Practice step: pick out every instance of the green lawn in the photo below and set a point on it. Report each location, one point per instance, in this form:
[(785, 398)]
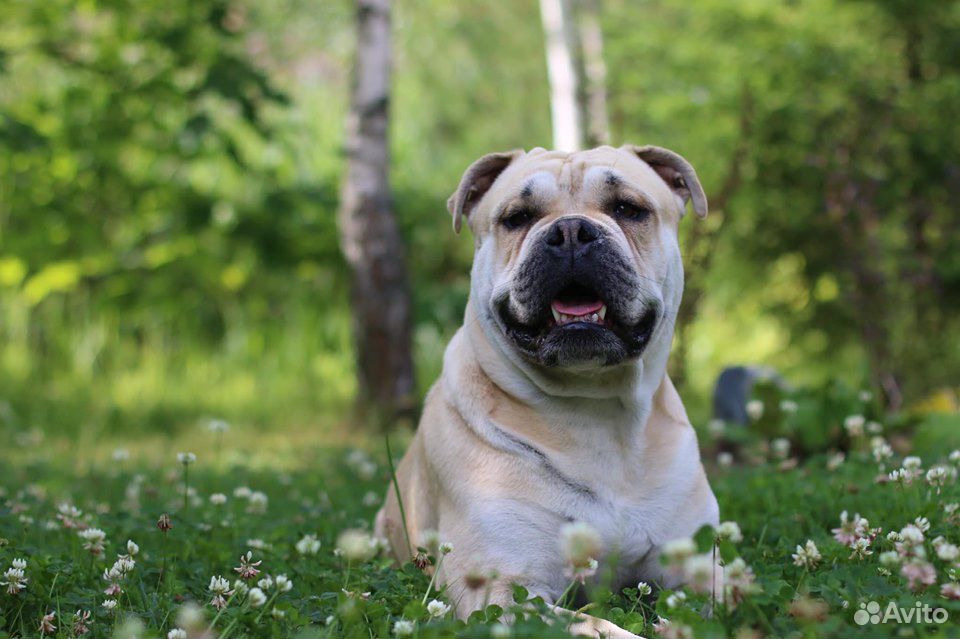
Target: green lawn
[(278, 490)]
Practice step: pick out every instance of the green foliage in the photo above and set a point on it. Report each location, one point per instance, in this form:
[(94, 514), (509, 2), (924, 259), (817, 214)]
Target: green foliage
[(169, 174)]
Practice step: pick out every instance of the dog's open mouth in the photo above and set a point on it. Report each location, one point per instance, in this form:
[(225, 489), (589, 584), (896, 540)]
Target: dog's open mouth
[(577, 324), (577, 303)]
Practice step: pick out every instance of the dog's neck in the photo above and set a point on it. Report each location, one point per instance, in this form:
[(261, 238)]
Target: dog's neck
[(627, 389)]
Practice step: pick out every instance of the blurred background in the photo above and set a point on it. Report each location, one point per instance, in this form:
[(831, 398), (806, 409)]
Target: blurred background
[(180, 182)]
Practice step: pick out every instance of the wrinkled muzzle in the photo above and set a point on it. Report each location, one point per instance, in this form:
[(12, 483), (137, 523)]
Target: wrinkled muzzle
[(576, 299)]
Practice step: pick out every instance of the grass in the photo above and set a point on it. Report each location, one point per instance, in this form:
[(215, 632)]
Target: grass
[(317, 483)]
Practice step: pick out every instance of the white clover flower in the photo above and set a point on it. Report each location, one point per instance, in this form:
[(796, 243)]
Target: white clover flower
[(853, 424), (329, 620), (579, 543), (874, 428), (15, 580), (132, 548), (835, 460), (739, 582), (446, 548), (177, 633), (218, 499), (922, 523), (256, 597), (309, 545), (912, 463), (948, 552), (881, 450), (220, 588), (186, 458), (807, 555), (955, 456), (730, 530), (242, 492), (716, 427), (356, 544), (781, 447), (92, 535), (219, 585), (500, 631), (94, 538), (890, 558), (676, 599), (360, 463), (191, 616), (894, 536), (120, 455), (911, 535), (266, 583), (109, 604), (276, 613), (437, 608), (403, 628), (937, 476), (19, 563), (724, 459), (900, 475), (950, 590), (284, 584), (699, 571), (860, 548), (240, 587), (371, 498), (865, 396), (643, 589), (257, 503), (951, 508), (217, 426), (755, 409), (677, 551), (788, 406), (257, 544)]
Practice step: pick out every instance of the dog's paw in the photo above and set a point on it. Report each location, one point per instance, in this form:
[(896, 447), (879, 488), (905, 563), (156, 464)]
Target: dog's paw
[(587, 626)]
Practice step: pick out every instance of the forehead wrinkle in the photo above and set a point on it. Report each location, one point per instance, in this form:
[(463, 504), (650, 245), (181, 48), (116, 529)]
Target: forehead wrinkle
[(538, 189), (602, 179)]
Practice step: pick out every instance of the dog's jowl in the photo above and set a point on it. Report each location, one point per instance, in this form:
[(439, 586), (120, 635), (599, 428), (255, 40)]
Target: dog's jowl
[(554, 405)]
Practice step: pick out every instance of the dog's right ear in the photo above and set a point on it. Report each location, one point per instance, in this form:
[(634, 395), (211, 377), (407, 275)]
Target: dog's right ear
[(476, 181)]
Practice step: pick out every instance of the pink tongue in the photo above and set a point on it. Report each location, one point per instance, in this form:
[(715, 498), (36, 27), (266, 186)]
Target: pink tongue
[(584, 308)]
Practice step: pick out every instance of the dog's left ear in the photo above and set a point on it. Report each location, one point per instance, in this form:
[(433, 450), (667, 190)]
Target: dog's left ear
[(476, 181), (677, 173)]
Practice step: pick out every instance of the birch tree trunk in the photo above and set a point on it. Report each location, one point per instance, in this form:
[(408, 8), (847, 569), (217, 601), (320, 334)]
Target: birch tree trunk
[(560, 36), (593, 99), (369, 233)]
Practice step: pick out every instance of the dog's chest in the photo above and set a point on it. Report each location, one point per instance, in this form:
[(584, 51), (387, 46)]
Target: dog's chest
[(624, 525)]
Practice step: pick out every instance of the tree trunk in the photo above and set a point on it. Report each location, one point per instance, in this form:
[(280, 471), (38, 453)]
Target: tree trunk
[(594, 94), (369, 233), (561, 45)]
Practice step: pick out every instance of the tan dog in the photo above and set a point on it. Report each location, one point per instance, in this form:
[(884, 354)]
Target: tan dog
[(554, 405)]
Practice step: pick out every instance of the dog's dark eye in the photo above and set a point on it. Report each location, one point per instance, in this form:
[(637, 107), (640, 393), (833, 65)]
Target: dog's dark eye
[(630, 211), (517, 219)]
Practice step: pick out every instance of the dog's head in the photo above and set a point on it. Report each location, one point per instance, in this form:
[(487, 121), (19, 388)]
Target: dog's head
[(577, 262)]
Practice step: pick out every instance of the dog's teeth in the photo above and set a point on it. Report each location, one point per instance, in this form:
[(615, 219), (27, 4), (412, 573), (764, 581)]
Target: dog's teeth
[(603, 312), (594, 317), (556, 315)]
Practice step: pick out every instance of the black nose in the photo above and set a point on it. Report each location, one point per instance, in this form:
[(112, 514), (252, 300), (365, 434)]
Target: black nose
[(571, 234)]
